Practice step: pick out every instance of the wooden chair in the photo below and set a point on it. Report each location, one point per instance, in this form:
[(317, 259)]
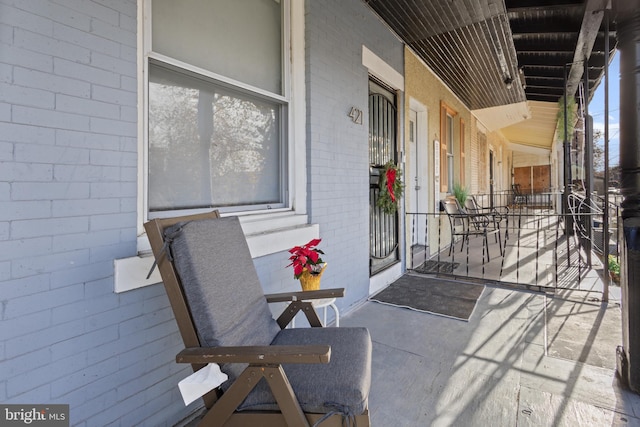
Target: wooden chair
[(466, 224), (277, 376)]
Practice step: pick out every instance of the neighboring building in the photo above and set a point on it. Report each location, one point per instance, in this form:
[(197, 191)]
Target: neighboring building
[(442, 130)]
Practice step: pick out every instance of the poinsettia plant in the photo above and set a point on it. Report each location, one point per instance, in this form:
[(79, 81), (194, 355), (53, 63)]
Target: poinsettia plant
[(306, 257)]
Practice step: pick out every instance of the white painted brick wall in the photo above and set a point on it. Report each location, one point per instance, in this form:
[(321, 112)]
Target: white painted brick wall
[(68, 182), (339, 162)]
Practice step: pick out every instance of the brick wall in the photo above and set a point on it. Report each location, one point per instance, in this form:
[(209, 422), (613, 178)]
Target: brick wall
[(68, 153), (423, 86), (338, 163), (502, 171), (68, 181)]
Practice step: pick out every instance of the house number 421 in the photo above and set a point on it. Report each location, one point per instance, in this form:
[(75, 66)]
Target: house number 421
[(356, 115)]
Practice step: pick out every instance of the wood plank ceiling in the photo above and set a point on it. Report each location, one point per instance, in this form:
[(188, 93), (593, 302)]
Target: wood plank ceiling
[(499, 52), (547, 34)]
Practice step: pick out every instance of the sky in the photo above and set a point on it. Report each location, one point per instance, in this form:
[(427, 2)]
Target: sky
[(596, 110)]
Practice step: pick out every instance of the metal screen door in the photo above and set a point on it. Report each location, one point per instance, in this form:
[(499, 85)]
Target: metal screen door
[(383, 227)]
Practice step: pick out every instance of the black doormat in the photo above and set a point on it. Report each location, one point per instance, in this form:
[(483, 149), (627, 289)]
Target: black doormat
[(437, 267), (447, 298)]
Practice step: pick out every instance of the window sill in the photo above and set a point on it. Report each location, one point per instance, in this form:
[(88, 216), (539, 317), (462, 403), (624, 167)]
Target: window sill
[(264, 236)]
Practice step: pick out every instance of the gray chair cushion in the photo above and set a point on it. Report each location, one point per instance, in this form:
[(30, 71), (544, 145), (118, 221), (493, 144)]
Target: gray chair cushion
[(220, 283), (228, 308), (342, 384)]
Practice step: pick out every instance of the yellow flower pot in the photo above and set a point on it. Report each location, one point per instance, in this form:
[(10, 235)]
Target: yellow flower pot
[(311, 281)]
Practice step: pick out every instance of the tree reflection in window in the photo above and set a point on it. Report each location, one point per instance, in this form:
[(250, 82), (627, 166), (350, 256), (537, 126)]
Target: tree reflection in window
[(211, 146)]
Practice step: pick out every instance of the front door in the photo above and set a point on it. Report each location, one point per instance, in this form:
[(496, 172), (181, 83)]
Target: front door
[(383, 227), (491, 177), (417, 182)]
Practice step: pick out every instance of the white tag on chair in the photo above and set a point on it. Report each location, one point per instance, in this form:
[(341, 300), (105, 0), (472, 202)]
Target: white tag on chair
[(201, 382)]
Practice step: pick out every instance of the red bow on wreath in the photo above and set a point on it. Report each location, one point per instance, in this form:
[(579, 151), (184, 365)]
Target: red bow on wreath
[(391, 180)]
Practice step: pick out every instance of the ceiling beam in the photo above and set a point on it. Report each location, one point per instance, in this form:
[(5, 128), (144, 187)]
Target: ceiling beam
[(591, 21), (542, 97), (532, 5)]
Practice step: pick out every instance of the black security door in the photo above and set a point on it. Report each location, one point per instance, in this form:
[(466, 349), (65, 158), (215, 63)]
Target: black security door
[(383, 227)]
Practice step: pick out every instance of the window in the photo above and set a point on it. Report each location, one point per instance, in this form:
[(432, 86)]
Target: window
[(447, 155), (462, 154), (214, 129), (211, 146), (216, 124), (450, 163), (483, 155)]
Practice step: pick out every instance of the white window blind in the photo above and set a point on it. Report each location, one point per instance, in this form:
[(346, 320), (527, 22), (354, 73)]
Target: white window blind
[(237, 39)]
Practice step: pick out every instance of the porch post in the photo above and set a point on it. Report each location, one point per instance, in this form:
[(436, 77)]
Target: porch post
[(628, 27), (567, 165), (588, 163)]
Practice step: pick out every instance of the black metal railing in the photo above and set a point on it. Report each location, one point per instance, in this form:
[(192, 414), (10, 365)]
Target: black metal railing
[(540, 200), (614, 200), (537, 252)]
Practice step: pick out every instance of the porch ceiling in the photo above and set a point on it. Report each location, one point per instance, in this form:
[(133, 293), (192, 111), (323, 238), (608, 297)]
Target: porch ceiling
[(539, 130), (494, 53)]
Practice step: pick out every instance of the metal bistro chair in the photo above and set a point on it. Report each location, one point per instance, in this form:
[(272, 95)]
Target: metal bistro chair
[(277, 376), (465, 224), (519, 198), (497, 214)]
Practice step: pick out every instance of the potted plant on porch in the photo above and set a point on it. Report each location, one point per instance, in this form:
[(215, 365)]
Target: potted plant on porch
[(461, 193), (307, 264), (614, 268)]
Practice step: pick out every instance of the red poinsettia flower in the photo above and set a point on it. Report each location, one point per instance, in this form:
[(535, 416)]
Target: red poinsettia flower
[(305, 257)]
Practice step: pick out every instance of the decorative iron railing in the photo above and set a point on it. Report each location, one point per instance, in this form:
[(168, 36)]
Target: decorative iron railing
[(538, 252)]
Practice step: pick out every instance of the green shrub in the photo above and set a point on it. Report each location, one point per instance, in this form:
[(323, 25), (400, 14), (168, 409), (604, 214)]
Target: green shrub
[(571, 118), (614, 265)]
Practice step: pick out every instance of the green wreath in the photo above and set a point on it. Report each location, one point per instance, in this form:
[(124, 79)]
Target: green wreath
[(391, 188)]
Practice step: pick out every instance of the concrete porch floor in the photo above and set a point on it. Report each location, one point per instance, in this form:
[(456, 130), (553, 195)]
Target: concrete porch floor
[(523, 359)]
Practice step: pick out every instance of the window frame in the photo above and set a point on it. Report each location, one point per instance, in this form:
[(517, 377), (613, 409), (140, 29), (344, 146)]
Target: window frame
[(279, 101), (266, 232), (447, 147), (462, 152), (293, 213), (177, 65), (451, 161)]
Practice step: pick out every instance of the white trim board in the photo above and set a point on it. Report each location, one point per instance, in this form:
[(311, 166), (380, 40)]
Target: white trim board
[(380, 69)]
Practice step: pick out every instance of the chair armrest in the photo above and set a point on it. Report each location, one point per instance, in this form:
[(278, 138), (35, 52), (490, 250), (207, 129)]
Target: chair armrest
[(459, 215), (305, 295), (496, 210), (270, 354), (503, 211), (485, 209)]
